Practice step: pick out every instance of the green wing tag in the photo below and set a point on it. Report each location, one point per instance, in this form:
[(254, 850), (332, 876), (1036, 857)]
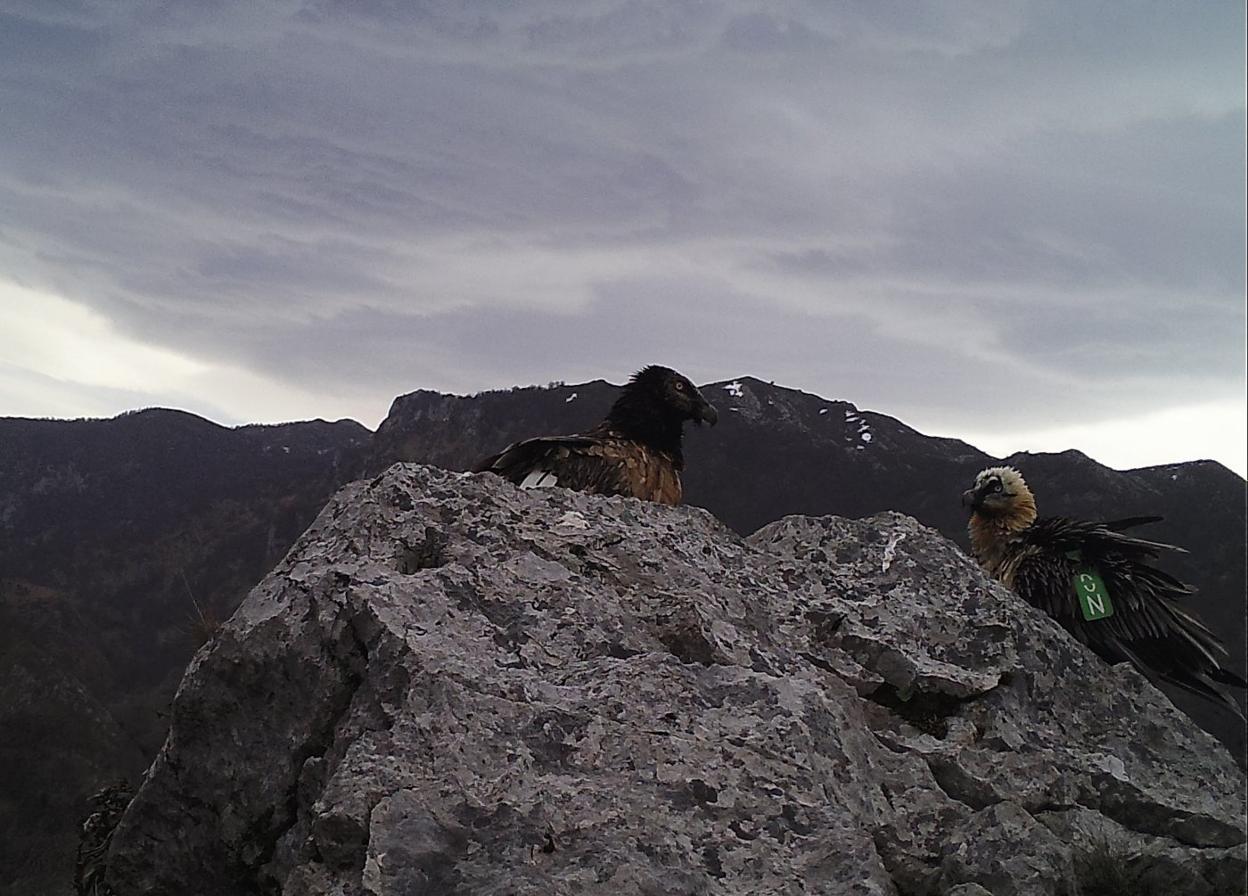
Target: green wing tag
[(1090, 587)]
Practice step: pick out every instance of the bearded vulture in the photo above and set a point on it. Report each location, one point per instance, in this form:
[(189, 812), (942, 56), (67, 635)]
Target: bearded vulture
[(1098, 583), (635, 451)]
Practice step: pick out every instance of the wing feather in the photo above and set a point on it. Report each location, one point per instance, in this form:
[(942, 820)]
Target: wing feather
[(598, 463), (1149, 626), (539, 478)]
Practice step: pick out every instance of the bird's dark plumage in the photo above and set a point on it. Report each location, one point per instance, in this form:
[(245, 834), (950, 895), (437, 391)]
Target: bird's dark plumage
[(636, 451), (1039, 559)]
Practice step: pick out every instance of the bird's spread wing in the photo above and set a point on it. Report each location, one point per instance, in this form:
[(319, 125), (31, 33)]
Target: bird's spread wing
[(1148, 625), (598, 464)]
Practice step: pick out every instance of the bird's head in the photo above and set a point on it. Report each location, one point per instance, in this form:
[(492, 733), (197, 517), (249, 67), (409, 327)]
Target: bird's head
[(670, 394), (1001, 492)]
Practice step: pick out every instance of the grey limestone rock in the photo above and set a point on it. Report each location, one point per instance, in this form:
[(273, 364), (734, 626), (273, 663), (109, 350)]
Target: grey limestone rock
[(450, 686)]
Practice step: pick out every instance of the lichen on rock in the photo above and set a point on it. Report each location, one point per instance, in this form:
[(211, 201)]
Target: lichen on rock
[(452, 686)]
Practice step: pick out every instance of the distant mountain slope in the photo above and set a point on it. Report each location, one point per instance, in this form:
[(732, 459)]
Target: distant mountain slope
[(63, 482), (108, 529)]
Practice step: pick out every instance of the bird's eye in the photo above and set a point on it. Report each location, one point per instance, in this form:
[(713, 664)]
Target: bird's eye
[(996, 487), (680, 387)]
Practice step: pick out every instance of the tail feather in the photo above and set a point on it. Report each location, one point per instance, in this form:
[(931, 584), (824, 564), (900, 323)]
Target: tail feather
[(1205, 680), (1131, 522), (1205, 686), (1187, 621), (1121, 540), (1226, 676)]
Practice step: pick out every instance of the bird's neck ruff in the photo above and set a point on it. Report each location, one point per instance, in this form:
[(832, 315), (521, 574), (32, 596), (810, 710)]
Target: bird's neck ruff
[(638, 416), (991, 532)]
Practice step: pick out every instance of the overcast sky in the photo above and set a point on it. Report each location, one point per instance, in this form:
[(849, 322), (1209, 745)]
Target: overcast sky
[(1018, 223)]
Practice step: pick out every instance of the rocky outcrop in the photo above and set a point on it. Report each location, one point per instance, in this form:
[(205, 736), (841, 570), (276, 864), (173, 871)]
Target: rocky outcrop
[(450, 686), (779, 451)]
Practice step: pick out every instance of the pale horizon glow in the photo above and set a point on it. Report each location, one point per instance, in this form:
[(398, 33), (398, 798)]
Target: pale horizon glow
[(60, 359), (1212, 431), (88, 370)]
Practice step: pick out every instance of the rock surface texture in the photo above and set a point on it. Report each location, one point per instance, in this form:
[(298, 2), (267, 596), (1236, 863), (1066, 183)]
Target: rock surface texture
[(450, 686), (779, 451)]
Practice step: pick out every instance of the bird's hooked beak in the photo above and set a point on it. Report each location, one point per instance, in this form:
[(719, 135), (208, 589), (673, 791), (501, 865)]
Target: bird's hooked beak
[(705, 413), (970, 499)]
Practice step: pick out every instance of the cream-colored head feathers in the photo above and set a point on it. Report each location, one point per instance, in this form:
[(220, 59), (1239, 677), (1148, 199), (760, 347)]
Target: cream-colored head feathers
[(1002, 504), (1012, 481)]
